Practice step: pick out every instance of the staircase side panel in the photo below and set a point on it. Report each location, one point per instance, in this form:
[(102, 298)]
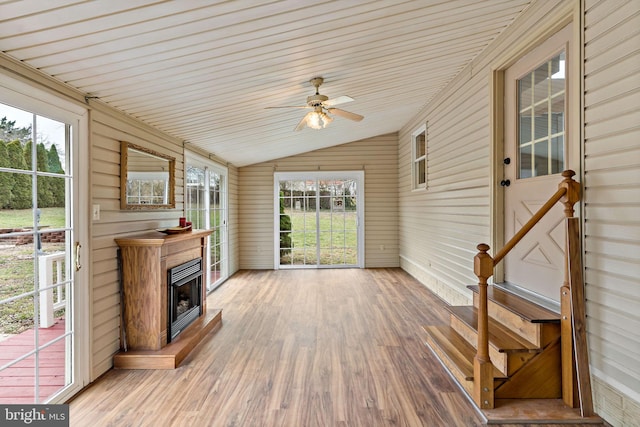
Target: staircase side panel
[(541, 378)]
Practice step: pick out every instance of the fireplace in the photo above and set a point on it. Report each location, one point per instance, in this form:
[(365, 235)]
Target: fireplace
[(184, 296)]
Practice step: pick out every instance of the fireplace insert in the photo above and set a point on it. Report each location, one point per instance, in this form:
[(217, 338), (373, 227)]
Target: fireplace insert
[(185, 296)]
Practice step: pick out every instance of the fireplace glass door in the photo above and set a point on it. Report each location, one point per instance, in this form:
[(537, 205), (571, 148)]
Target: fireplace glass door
[(185, 296)]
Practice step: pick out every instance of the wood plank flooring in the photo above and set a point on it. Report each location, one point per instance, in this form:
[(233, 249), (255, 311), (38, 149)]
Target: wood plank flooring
[(297, 348)]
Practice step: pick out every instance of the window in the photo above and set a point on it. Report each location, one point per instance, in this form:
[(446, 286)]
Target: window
[(541, 113), (419, 155)]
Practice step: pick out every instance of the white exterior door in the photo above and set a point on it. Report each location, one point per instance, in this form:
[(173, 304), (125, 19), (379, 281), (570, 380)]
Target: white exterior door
[(44, 347), (206, 207), (536, 151)]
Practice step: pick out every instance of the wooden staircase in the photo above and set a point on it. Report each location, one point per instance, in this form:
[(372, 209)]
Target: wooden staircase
[(524, 340), (510, 349)]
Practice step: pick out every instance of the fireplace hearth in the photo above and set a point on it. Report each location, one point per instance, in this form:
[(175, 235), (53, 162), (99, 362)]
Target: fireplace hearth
[(184, 296)]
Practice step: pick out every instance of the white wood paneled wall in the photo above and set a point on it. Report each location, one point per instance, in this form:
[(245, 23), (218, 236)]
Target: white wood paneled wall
[(108, 128), (612, 204)]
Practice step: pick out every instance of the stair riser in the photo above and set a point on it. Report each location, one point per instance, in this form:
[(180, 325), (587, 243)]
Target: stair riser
[(529, 331), (468, 333), (507, 363)]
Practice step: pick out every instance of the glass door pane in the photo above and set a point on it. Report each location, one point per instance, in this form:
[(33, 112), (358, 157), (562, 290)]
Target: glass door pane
[(196, 207), (206, 208), (541, 111), (36, 246), (217, 223), (338, 225)]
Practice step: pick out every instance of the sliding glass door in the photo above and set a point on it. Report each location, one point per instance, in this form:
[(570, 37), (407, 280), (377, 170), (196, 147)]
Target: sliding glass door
[(319, 219), (206, 207)]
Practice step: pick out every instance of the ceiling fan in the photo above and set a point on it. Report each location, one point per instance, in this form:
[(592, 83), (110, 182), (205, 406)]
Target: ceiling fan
[(322, 106)]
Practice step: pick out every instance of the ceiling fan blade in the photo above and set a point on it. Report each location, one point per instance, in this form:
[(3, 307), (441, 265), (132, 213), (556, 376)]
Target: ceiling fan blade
[(346, 114), (289, 106), (339, 100), (303, 122)]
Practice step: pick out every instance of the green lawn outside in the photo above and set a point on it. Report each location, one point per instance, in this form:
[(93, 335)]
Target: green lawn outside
[(338, 238), (16, 218), (17, 266)]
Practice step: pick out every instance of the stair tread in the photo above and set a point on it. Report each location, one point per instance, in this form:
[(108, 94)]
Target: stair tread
[(457, 349), (527, 310), (500, 337)]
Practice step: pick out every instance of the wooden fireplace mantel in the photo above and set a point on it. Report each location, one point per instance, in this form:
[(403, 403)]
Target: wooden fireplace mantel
[(145, 259)]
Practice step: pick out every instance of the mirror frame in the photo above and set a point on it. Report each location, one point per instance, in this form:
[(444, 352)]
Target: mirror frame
[(124, 156)]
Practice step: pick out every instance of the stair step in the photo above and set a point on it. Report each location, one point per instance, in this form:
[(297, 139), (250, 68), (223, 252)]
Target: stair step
[(532, 322), (500, 337), (456, 354), (508, 350), (523, 308)]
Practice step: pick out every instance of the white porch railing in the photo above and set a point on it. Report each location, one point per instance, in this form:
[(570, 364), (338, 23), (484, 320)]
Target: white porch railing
[(52, 298)]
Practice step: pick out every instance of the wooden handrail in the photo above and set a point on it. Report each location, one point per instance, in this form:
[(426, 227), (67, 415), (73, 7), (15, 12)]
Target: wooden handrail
[(529, 225), (565, 188), (483, 264)]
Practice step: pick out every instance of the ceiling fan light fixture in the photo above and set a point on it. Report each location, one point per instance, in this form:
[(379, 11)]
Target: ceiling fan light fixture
[(313, 120), (321, 105), (318, 120), (326, 119)]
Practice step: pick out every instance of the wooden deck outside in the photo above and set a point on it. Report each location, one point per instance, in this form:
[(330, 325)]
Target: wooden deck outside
[(298, 348), (17, 382)]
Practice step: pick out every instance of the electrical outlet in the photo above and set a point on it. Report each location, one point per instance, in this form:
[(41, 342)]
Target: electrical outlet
[(96, 212)]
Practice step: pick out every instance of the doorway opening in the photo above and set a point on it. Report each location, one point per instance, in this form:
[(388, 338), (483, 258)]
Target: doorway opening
[(539, 115), (43, 347)]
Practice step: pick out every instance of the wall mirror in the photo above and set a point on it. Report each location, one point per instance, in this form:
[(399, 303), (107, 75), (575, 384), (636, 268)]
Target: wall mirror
[(147, 178)]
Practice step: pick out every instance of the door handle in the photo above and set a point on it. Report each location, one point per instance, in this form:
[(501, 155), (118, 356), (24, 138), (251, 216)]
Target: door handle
[(505, 183), (78, 246)]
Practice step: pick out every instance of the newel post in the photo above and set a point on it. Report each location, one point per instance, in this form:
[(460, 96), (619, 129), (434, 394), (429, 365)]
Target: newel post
[(572, 196), (569, 384), (482, 366)]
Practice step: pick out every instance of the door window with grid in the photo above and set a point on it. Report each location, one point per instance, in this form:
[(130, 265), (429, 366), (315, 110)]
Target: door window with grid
[(541, 116)]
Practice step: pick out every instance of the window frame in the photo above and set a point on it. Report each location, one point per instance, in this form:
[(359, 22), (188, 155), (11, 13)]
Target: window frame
[(416, 160)]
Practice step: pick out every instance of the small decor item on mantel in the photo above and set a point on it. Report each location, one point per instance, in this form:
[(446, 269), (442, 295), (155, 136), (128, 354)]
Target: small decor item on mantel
[(183, 227)]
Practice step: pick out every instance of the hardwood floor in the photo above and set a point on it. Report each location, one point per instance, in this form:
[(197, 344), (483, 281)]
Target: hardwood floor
[(297, 348)]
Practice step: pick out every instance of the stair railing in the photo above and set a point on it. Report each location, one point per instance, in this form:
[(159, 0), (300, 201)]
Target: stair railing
[(568, 194)]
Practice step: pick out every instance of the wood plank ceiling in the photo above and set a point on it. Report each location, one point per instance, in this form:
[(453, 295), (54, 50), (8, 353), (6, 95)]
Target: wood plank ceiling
[(204, 71)]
